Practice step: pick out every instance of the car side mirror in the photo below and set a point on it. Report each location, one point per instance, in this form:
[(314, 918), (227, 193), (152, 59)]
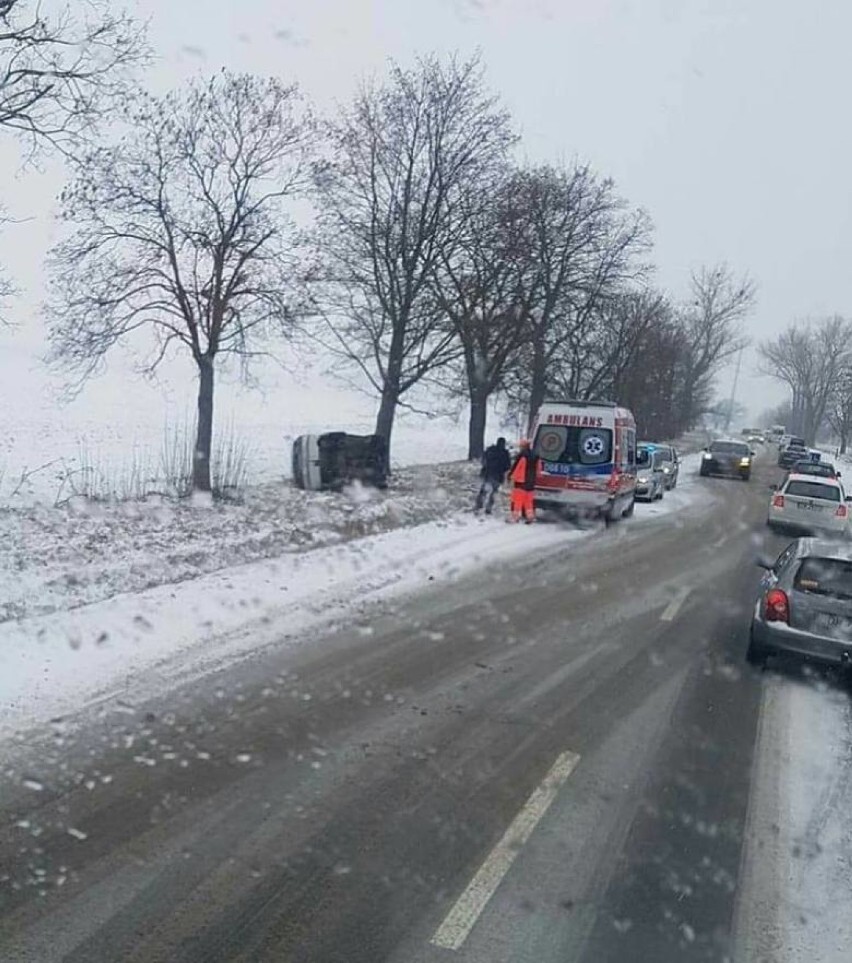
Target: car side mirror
[(764, 561), (849, 498), (752, 453), (773, 487)]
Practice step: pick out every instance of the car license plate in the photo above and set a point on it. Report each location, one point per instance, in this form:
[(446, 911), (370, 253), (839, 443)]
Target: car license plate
[(810, 507)]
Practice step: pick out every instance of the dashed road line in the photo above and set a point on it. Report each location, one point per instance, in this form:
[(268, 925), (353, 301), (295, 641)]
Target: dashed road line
[(673, 607), (467, 909)]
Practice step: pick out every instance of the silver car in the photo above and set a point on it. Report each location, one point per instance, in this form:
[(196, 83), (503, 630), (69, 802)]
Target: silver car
[(650, 477), (805, 603), (669, 462)]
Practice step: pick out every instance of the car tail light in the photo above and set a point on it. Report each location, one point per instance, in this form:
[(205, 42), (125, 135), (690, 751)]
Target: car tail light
[(777, 501), (841, 511), (776, 606)]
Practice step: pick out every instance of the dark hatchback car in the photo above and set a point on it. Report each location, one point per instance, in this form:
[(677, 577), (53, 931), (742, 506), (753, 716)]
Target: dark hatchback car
[(729, 458), (804, 606)]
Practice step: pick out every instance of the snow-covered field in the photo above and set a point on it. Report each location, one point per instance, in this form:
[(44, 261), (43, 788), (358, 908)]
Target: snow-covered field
[(121, 428), (149, 640)]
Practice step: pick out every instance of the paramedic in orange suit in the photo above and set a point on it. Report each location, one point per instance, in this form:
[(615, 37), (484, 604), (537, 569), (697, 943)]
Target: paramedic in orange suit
[(522, 475)]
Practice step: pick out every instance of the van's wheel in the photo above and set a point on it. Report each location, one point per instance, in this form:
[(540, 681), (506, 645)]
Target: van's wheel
[(629, 510), (609, 514)]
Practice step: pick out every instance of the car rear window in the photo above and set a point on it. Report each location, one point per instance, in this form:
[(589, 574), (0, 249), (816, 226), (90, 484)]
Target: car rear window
[(825, 576), (814, 468), (813, 489), (730, 448)]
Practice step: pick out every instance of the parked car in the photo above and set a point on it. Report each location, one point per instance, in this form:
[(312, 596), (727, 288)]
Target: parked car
[(786, 440), (669, 459), (791, 454), (809, 504), (729, 458), (819, 469), (804, 605), (650, 478)]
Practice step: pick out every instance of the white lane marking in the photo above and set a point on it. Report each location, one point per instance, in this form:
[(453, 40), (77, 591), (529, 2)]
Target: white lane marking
[(467, 909), (673, 607)]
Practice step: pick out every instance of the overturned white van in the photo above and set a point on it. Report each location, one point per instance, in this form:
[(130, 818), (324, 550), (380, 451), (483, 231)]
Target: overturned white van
[(336, 459)]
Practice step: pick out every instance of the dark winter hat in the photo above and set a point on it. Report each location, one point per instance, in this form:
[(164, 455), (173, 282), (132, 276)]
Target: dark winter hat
[(501, 442)]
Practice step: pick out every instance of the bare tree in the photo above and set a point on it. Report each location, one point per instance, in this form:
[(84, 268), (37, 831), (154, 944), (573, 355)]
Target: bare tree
[(839, 412), (810, 359), (587, 246), (710, 322), (650, 383), (624, 324), (402, 153), (781, 414), (483, 283), (60, 70), (181, 231)]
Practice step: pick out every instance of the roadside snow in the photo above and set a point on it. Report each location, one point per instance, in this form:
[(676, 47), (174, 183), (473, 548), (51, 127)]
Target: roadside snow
[(54, 558), (146, 641), (795, 901), (55, 664), (83, 552)]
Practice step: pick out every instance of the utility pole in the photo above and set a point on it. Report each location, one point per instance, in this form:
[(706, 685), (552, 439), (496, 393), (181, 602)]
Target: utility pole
[(733, 392)]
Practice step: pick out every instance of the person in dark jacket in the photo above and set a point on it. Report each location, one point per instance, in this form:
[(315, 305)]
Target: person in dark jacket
[(522, 474), (495, 464)]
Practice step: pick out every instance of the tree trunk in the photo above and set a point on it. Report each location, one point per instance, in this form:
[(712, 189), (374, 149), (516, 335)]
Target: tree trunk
[(476, 423), (204, 436), (843, 443), (538, 384), (810, 424), (387, 413)]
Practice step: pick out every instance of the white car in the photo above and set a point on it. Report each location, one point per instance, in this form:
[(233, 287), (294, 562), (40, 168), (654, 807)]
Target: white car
[(809, 504)]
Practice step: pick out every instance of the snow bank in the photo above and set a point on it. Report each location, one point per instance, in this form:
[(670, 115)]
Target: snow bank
[(146, 642), (55, 664), (796, 893), (61, 557), (54, 558)]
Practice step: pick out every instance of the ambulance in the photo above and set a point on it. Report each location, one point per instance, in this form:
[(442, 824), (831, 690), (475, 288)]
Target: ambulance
[(588, 458)]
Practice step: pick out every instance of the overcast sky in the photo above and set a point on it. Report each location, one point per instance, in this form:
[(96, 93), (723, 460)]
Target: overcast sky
[(727, 120)]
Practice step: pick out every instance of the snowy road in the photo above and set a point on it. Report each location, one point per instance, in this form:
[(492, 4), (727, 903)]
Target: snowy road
[(548, 749)]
